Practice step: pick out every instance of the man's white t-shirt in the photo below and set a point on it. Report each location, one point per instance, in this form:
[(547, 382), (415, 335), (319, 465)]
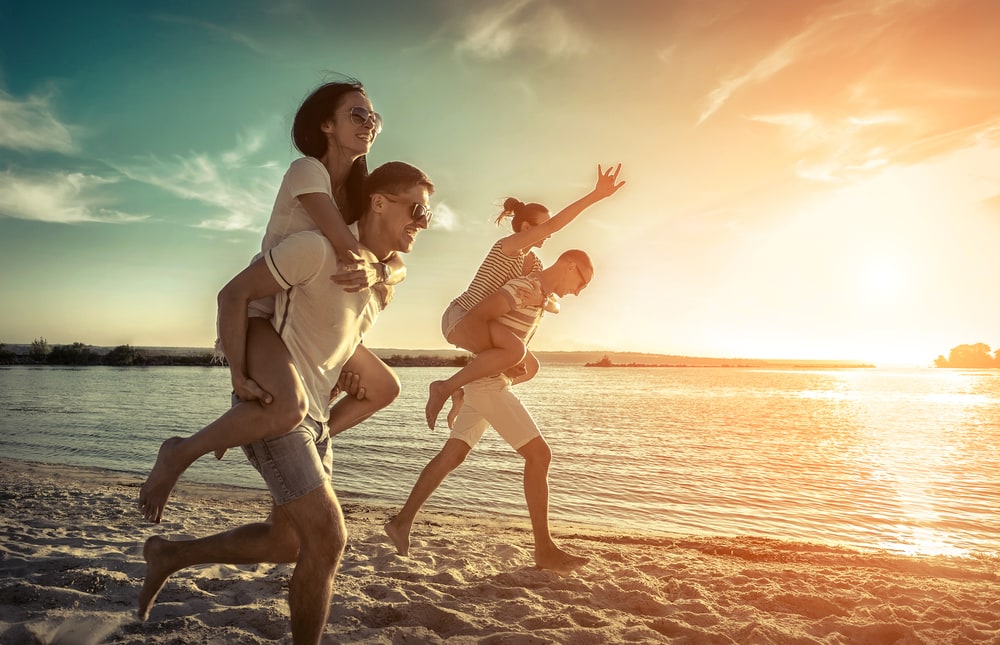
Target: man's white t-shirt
[(320, 323)]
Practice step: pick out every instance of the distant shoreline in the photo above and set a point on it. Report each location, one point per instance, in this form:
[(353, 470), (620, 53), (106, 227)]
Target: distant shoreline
[(205, 357)]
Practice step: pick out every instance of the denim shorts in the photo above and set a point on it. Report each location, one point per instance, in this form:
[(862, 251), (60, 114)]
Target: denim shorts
[(295, 463)]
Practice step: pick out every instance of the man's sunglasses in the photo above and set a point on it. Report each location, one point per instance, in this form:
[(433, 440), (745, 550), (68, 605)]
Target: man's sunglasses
[(419, 210), (361, 115)]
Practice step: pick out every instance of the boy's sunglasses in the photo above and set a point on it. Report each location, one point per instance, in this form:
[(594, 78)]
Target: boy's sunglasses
[(419, 210), (360, 115)]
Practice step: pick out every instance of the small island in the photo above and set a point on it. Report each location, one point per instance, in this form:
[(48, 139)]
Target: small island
[(970, 356), (729, 362)]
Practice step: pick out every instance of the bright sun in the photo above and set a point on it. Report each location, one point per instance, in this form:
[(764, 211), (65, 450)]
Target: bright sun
[(881, 279)]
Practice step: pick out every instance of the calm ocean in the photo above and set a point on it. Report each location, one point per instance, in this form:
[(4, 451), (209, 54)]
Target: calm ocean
[(907, 461)]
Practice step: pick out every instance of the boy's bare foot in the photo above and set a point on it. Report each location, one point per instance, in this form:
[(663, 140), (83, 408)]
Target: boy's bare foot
[(457, 399), (155, 491), (400, 537), (158, 569), (559, 561), (435, 401)]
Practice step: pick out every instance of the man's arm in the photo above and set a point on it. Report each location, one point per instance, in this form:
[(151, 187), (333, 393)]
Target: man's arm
[(252, 283)]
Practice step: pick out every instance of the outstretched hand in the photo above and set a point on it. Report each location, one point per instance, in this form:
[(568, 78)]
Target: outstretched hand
[(607, 181)]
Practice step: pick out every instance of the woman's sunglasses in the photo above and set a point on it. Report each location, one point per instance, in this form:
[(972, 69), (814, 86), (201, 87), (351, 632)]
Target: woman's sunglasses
[(419, 210), (361, 115)]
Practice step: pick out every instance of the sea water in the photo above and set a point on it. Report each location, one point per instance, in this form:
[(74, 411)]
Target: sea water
[(904, 460)]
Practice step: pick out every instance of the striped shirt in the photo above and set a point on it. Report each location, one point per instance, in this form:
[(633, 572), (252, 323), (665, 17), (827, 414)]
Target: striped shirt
[(524, 295), (495, 271)]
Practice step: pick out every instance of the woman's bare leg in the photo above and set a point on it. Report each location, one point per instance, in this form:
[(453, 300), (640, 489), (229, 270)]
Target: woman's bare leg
[(270, 365), (505, 351), (379, 387)]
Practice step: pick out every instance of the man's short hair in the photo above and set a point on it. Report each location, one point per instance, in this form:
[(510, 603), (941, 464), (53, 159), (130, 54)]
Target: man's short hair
[(581, 259), (395, 177)]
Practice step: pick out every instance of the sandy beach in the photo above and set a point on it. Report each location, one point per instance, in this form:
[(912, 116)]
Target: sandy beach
[(71, 564)]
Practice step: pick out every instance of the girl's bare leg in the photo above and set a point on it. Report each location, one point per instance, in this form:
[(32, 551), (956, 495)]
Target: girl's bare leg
[(270, 365), (506, 350), (379, 388)]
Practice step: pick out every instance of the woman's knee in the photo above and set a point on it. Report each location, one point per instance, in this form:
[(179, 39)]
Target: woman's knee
[(271, 366), (286, 412), (384, 388)]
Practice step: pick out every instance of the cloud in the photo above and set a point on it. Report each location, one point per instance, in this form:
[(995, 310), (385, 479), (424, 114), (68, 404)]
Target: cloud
[(444, 217), (837, 31), (58, 197), (29, 125), (230, 181), (222, 31), (507, 27)]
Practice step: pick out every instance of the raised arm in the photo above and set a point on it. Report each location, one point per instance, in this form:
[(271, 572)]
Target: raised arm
[(252, 283), (607, 185)]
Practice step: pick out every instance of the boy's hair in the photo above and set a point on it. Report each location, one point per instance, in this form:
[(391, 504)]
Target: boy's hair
[(395, 177), (581, 259)]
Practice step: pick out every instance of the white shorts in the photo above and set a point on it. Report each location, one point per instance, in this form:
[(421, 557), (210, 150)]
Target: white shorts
[(490, 402)]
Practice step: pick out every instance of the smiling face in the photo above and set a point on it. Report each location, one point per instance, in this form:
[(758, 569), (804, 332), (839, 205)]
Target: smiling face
[(353, 125), (402, 216)]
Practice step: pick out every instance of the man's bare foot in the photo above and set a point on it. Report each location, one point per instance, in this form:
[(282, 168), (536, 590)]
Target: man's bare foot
[(457, 399), (435, 401), (400, 537), (558, 560), (160, 483), (158, 569)]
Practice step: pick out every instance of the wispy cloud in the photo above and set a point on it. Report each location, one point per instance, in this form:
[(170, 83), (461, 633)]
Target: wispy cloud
[(223, 32), (851, 22), (507, 27), (31, 125), (444, 217), (59, 197), (231, 181)]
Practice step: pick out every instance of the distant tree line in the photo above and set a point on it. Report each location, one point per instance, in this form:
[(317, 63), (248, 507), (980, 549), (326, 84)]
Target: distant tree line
[(970, 356), (41, 353)]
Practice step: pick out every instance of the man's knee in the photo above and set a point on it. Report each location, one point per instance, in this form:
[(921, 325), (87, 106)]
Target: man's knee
[(324, 548), (536, 452), (284, 540), (453, 454), (319, 527)]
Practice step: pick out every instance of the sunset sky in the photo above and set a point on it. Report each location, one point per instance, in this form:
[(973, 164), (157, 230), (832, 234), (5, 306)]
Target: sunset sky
[(805, 179)]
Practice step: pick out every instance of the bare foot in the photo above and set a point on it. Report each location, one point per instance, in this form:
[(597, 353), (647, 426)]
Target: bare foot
[(457, 399), (559, 561), (400, 537), (160, 483), (435, 401), (158, 569)]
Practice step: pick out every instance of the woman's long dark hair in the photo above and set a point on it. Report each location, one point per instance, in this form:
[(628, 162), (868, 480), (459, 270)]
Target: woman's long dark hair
[(309, 139)]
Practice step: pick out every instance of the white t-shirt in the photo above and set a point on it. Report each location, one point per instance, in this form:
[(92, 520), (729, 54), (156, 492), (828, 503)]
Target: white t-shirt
[(320, 323), (305, 175)]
